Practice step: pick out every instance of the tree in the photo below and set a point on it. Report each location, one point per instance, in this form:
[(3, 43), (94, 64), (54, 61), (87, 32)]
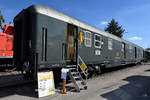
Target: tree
[(2, 20), (147, 48), (114, 28)]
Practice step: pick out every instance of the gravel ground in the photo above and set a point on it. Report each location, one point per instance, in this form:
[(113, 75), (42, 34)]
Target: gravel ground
[(129, 83)]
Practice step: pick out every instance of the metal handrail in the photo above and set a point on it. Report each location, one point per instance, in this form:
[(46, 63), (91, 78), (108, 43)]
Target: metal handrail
[(82, 61), (85, 72)]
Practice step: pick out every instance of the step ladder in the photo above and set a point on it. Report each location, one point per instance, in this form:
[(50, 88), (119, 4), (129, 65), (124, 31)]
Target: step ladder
[(78, 74)]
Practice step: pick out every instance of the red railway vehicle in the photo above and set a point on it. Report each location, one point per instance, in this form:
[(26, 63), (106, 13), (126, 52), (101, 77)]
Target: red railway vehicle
[(6, 44)]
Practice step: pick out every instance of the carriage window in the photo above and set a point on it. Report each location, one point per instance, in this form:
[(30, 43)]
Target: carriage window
[(44, 44), (88, 40), (123, 47), (130, 49), (97, 41), (110, 44)]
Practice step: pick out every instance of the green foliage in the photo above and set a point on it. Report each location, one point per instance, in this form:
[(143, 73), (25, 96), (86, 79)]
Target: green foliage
[(2, 20), (147, 48), (114, 28)]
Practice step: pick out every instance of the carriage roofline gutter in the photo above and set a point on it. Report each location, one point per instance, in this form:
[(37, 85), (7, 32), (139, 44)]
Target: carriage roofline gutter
[(63, 17)]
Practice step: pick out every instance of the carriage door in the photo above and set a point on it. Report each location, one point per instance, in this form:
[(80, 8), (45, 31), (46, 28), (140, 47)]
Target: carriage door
[(70, 42)]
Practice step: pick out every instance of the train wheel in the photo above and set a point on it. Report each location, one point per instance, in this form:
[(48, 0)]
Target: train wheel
[(26, 70), (98, 69), (90, 71)]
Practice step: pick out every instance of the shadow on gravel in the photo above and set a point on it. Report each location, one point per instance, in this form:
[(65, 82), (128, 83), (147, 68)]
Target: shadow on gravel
[(9, 87), (147, 70), (113, 69), (118, 68), (146, 64), (23, 90), (138, 88)]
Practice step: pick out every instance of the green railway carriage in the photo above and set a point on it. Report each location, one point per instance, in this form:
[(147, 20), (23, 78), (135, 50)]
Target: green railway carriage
[(46, 38)]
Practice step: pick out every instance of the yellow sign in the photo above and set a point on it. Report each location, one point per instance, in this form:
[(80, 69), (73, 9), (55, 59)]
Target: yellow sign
[(45, 84), (80, 37), (83, 67)]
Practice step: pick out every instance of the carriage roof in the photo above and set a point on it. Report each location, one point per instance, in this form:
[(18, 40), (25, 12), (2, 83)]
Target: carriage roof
[(63, 17)]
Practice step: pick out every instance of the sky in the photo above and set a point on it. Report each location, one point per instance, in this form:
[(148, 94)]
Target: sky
[(133, 15)]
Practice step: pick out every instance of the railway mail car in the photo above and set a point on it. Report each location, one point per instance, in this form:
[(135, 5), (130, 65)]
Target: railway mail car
[(46, 38)]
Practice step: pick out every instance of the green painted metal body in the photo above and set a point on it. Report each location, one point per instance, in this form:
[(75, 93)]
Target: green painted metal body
[(56, 44)]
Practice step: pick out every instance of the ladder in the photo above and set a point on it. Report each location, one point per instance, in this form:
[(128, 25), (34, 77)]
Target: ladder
[(79, 74)]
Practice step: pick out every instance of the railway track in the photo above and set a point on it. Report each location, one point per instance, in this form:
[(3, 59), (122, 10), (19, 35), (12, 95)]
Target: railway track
[(7, 68)]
